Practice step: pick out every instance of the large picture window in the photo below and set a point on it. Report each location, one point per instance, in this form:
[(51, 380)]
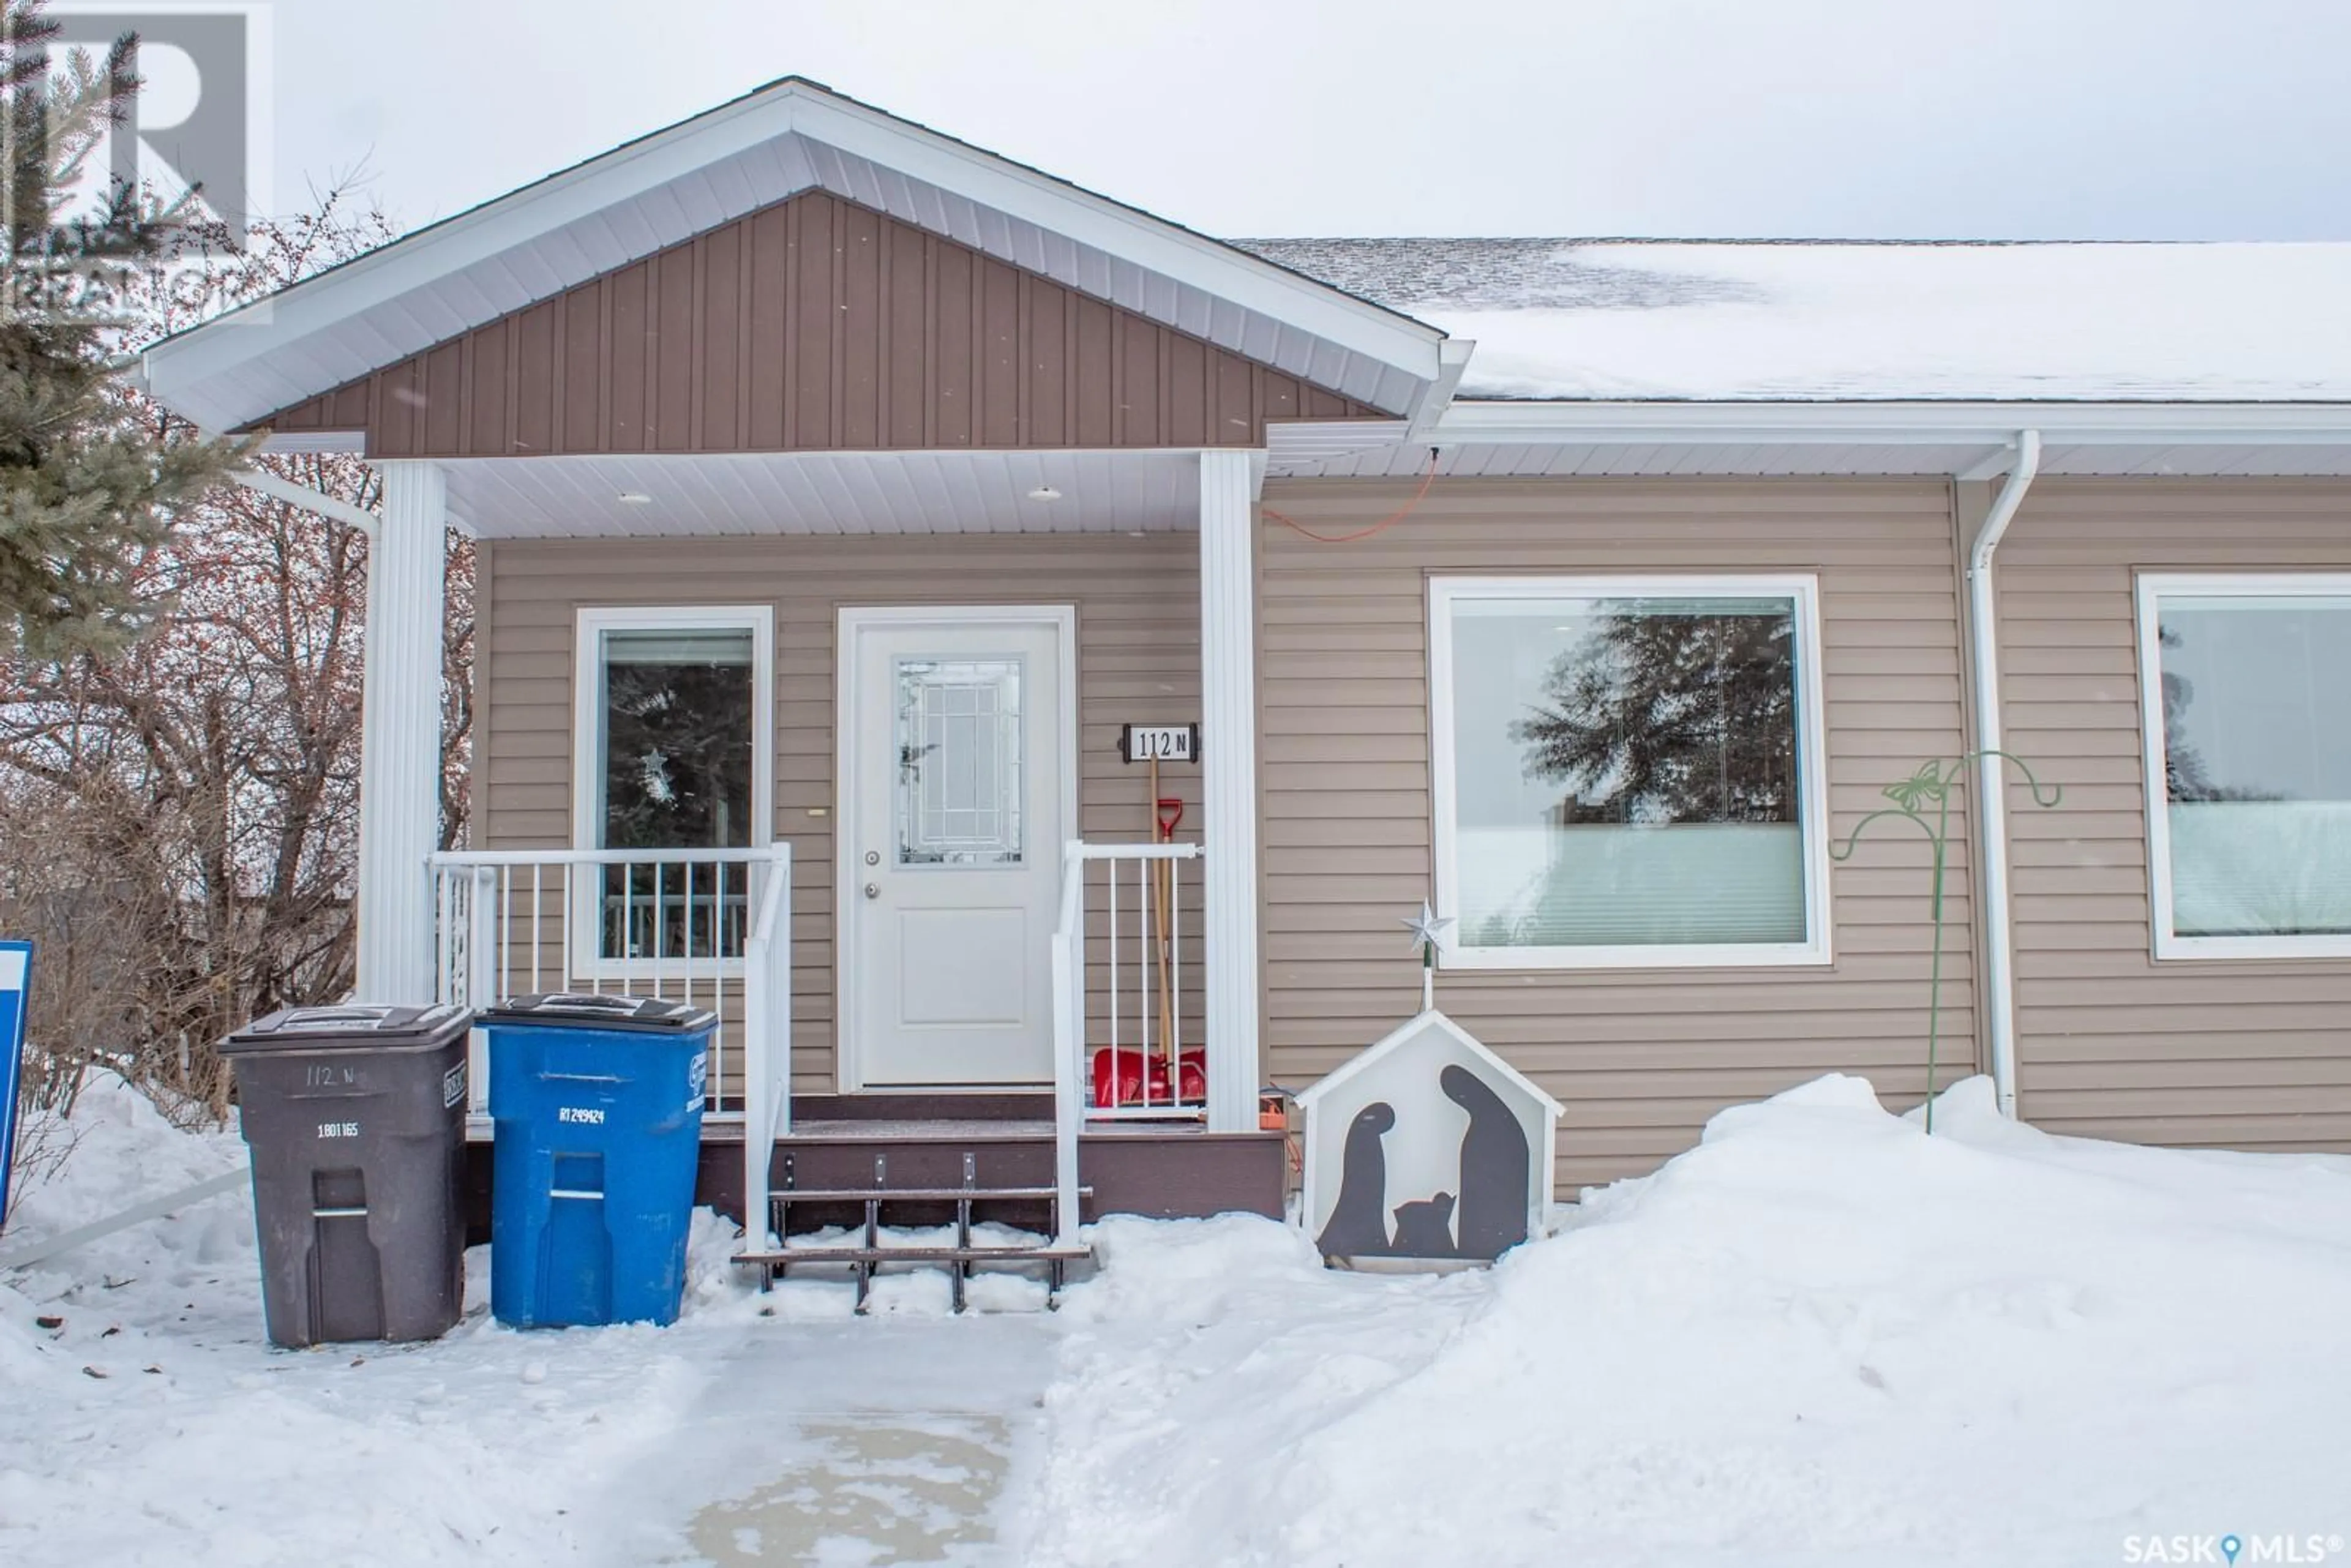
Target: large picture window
[(1627, 772), (674, 754), (2247, 702)]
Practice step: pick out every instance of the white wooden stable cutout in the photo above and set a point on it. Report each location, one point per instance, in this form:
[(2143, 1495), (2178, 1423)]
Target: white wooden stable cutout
[(1422, 1150)]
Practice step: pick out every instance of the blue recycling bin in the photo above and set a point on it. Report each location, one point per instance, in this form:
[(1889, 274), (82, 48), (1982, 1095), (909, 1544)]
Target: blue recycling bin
[(597, 1103)]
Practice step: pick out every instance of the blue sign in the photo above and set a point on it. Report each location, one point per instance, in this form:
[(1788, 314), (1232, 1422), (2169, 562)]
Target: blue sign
[(16, 976)]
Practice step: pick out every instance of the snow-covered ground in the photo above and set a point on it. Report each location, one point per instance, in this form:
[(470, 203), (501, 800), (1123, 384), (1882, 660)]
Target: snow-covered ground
[(1820, 1337)]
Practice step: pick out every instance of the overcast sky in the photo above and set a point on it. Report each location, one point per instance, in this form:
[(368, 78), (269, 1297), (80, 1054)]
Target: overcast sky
[(2012, 119)]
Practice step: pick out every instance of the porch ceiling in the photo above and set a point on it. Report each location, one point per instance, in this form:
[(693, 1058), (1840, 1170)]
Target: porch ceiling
[(825, 493)]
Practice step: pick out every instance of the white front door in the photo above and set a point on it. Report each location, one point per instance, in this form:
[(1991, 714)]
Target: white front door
[(956, 755)]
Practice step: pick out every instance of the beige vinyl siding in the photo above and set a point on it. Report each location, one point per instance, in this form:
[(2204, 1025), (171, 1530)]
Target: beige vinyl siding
[(2111, 1043), (1137, 604), (1639, 1058)]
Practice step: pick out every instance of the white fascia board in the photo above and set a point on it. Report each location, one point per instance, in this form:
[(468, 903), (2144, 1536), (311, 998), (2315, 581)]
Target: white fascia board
[(470, 237), (1452, 360), (1990, 424), (1101, 223), (311, 442)]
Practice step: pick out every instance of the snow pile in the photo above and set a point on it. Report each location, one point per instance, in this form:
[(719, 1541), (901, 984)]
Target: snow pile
[(1820, 1337)]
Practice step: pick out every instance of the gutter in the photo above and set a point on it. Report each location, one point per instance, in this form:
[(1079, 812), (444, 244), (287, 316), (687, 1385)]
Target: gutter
[(1915, 422), (1991, 796)]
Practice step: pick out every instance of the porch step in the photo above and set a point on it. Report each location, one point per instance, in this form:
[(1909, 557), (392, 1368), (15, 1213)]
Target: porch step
[(872, 1256), (915, 1255), (959, 1258), (914, 1194)]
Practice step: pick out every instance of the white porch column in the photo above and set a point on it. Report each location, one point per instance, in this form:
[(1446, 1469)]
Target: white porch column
[(1228, 786), (399, 736)]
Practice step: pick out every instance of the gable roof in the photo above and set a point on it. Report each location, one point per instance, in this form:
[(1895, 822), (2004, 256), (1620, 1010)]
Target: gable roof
[(1412, 1028), (790, 136), (811, 325), (1804, 320)]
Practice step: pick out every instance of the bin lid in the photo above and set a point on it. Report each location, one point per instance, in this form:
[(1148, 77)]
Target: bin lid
[(352, 1026), (586, 1010)]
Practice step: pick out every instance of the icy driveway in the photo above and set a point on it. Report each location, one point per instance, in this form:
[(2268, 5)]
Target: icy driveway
[(869, 1442), (142, 1420)]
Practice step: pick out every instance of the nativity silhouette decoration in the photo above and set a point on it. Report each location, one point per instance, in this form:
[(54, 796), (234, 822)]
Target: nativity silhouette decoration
[(1386, 1178)]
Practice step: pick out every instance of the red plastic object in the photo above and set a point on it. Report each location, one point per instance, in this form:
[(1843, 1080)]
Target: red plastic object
[(1124, 1083), (1192, 1077)]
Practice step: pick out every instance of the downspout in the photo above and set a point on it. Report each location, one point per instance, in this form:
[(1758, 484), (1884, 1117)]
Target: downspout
[(1992, 798)]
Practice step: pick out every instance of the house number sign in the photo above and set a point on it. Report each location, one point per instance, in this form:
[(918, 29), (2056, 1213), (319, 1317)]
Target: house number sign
[(1159, 742)]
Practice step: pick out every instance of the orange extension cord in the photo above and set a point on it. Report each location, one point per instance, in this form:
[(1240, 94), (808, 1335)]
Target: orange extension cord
[(1391, 520)]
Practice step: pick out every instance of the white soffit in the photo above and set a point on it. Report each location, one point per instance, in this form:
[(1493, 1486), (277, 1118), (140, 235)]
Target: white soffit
[(795, 136), (1933, 439), (566, 497)]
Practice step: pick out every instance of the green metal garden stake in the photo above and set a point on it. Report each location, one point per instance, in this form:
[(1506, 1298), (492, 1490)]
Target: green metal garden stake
[(1931, 786)]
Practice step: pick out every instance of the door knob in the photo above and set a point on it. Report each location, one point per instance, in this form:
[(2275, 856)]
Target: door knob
[(872, 891)]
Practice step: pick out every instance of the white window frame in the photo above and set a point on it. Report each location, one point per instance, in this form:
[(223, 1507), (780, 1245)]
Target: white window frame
[(588, 958), (1812, 771), (2151, 588)]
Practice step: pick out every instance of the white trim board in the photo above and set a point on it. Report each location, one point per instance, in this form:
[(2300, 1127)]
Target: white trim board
[(2147, 591), (1991, 424), (586, 957), (1889, 439), (848, 1069), (1811, 752)]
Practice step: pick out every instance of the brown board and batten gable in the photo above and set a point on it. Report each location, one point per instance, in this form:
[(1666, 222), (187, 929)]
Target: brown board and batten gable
[(814, 324)]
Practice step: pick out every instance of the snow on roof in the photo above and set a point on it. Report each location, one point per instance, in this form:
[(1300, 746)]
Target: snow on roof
[(1567, 319)]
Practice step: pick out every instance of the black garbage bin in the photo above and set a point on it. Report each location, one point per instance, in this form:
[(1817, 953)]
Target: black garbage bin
[(356, 1119)]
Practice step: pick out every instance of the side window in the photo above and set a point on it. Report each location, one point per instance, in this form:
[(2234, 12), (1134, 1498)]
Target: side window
[(2248, 763), (674, 758)]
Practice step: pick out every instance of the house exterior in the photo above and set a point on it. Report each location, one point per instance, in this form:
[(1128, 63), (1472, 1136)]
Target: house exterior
[(843, 493)]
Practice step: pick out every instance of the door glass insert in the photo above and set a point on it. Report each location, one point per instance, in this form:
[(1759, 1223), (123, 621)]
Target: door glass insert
[(961, 755)]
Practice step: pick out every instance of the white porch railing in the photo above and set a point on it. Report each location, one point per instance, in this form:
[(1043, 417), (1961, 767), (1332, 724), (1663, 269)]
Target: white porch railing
[(1142, 1057), (701, 927)]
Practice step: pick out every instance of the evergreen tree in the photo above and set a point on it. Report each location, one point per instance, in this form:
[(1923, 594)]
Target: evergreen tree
[(1685, 717), (88, 485)]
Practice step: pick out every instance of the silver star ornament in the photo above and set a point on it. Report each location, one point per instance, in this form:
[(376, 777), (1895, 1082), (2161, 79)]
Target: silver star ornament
[(1428, 928)]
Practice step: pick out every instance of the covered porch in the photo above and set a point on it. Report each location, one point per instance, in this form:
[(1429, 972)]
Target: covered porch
[(1093, 1050), (831, 411)]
